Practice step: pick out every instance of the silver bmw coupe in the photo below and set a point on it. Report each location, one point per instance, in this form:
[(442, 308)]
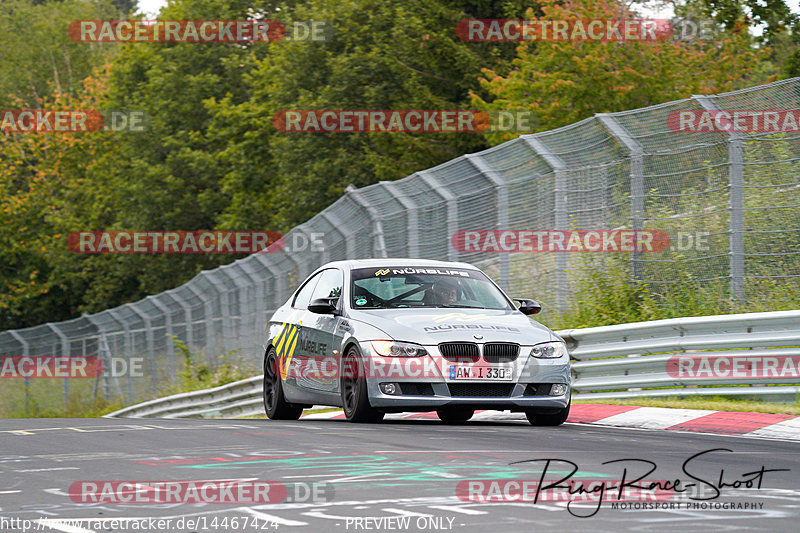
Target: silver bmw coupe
[(381, 336)]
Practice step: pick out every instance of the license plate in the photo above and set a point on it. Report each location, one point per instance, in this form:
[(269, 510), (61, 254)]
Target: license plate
[(486, 373)]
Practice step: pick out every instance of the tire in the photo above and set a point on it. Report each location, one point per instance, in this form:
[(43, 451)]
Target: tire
[(355, 400), (551, 417), (455, 415), (275, 404)]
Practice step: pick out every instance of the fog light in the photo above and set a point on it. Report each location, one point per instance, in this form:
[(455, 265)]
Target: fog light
[(390, 388), (559, 389)]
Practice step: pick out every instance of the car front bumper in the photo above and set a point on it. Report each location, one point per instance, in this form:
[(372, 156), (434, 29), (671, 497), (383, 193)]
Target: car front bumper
[(529, 388)]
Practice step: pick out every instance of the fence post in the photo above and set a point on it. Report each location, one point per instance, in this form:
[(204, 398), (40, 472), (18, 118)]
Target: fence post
[(224, 307), (735, 204), (64, 353), (26, 351), (348, 234), (281, 287), (501, 191), (151, 351), (260, 303), (126, 342), (208, 313), (170, 342), (561, 215), (245, 314), (187, 315), (637, 180), (303, 269), (452, 209), (411, 211), (108, 365), (378, 242)]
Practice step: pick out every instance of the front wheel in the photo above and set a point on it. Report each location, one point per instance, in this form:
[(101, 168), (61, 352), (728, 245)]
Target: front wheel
[(355, 400), (275, 403), (549, 417), (455, 415)]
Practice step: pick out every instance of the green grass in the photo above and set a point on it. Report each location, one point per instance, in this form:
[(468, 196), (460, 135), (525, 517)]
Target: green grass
[(714, 403), (44, 398)]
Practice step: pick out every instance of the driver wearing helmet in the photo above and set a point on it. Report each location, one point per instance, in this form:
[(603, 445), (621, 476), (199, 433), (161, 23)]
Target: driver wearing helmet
[(445, 292)]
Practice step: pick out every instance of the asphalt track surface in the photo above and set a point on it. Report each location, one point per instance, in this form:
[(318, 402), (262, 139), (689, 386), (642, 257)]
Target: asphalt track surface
[(394, 476)]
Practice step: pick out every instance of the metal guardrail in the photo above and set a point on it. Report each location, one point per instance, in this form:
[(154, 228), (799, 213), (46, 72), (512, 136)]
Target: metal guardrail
[(621, 361), (237, 399)]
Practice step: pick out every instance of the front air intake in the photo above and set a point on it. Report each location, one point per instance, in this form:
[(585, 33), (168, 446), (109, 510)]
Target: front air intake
[(460, 352)]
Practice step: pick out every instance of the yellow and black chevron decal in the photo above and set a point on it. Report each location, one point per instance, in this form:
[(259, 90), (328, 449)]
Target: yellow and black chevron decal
[(285, 344)]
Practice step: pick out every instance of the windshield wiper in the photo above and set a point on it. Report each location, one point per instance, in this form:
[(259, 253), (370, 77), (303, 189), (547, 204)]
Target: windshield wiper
[(462, 306)]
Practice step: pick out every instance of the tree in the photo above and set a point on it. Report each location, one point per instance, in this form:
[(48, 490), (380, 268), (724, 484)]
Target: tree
[(398, 55), (39, 59), (774, 15), (563, 82)]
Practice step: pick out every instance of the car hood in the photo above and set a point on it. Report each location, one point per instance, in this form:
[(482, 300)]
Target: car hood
[(432, 326)]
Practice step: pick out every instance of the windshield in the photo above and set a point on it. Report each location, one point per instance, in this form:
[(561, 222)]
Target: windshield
[(393, 287)]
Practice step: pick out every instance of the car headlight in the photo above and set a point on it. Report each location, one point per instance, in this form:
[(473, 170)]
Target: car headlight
[(549, 350), (398, 349)]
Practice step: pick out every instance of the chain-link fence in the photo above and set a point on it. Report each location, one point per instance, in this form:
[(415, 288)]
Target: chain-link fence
[(729, 200)]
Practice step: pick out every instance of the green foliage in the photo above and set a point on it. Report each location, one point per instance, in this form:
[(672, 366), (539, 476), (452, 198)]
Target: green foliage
[(39, 59), (565, 82), (400, 55), (775, 16), (196, 375)]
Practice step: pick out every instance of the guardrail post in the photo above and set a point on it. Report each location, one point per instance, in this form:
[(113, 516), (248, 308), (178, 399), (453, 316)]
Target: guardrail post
[(378, 242), (637, 180), (501, 192), (561, 215), (25, 352), (411, 212), (735, 202), (452, 209)]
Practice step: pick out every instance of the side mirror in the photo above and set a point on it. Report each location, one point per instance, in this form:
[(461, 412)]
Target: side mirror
[(323, 306), (528, 306)]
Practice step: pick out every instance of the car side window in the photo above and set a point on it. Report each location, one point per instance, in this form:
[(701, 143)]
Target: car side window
[(330, 284), (303, 296)]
